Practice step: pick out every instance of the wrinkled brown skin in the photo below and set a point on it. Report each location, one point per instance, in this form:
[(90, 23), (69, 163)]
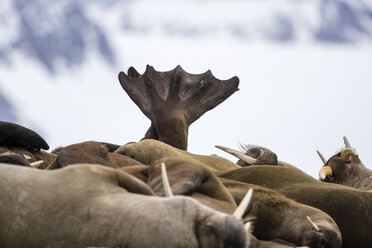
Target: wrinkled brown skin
[(173, 100), (353, 173), (139, 171), (278, 217), (90, 152), (350, 208), (150, 150), (105, 207), (193, 179), (14, 135), (266, 158)]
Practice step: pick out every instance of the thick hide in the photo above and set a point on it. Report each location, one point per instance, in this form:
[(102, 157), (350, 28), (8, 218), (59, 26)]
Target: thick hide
[(149, 150), (95, 206), (349, 207)]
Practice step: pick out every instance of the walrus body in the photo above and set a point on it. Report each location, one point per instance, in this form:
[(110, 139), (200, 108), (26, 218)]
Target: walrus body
[(275, 216), (92, 205), (350, 208)]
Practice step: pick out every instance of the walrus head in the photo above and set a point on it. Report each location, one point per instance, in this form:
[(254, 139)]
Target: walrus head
[(262, 155), (345, 167), (252, 155), (322, 235)]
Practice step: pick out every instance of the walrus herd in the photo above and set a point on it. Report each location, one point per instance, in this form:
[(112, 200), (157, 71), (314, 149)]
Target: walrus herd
[(98, 194)]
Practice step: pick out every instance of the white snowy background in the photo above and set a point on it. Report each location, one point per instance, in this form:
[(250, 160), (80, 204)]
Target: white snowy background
[(305, 70)]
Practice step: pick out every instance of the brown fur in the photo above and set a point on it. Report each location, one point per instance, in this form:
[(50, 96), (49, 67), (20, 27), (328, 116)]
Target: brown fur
[(138, 171), (353, 174), (193, 179), (278, 217), (91, 205), (262, 155), (149, 150), (349, 207), (93, 153)]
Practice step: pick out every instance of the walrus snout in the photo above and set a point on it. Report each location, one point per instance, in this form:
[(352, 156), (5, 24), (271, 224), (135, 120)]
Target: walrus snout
[(325, 237)]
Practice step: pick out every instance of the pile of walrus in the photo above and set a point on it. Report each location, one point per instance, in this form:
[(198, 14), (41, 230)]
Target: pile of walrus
[(96, 194)]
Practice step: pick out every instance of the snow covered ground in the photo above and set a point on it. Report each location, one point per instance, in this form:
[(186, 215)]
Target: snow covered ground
[(295, 96)]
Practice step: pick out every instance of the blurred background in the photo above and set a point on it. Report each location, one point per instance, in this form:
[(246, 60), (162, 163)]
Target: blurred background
[(305, 69)]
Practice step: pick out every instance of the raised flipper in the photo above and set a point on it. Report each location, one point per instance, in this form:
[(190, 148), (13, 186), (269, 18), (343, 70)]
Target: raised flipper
[(15, 135), (173, 100)]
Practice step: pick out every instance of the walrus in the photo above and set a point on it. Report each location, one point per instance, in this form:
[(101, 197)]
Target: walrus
[(90, 152), (87, 205), (346, 168), (350, 208), (275, 216)]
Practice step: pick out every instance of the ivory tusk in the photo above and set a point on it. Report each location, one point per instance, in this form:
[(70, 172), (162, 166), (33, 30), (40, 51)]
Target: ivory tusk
[(237, 154), (166, 185), (347, 152), (247, 226), (324, 172), (321, 157), (26, 156), (316, 227), (239, 212), (346, 142), (37, 164)]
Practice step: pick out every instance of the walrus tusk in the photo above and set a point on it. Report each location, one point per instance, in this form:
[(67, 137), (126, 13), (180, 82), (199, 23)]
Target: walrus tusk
[(37, 164), (321, 157), (347, 152), (262, 152), (346, 142), (167, 189), (324, 172), (239, 211), (237, 154), (316, 227), (247, 226), (26, 156)]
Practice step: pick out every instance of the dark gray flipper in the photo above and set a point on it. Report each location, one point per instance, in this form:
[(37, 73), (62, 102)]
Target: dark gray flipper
[(12, 134), (173, 100), (13, 158)]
